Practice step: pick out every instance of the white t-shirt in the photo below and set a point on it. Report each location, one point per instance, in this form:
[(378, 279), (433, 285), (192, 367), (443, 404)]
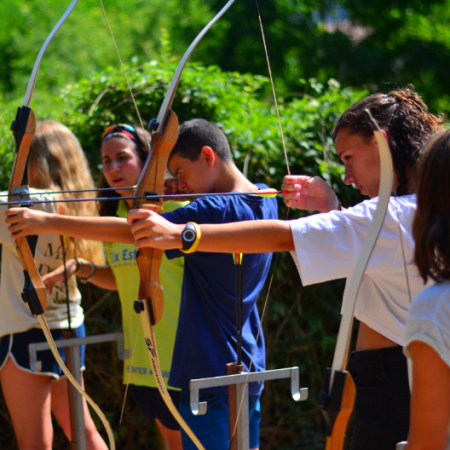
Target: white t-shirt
[(429, 321), (327, 247), (15, 314)]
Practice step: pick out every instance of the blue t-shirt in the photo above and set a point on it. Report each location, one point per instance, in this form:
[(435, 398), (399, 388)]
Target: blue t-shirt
[(206, 334)]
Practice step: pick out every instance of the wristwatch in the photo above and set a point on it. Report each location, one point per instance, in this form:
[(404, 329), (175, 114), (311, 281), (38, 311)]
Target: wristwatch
[(190, 237)]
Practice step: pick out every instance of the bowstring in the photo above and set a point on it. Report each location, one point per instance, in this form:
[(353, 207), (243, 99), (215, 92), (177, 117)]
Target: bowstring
[(149, 149), (394, 189), (129, 372), (280, 128), (124, 72), (66, 279), (69, 320), (66, 282), (403, 248)]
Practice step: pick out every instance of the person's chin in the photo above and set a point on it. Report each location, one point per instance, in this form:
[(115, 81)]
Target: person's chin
[(123, 184), (119, 188), (368, 194), (363, 191)]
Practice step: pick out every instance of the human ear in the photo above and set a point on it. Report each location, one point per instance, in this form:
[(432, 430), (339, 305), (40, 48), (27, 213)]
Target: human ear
[(208, 155)]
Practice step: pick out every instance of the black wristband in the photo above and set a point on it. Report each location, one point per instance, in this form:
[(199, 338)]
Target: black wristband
[(85, 280)]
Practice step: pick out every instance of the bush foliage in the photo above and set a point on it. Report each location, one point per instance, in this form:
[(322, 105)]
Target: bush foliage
[(300, 324)]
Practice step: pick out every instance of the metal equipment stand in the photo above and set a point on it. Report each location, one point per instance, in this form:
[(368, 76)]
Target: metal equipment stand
[(240, 380), (73, 344)]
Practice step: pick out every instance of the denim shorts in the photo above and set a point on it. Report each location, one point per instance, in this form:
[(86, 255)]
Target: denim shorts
[(16, 346), (382, 399), (212, 428)]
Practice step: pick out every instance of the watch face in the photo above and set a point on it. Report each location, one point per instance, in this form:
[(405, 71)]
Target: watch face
[(189, 235)]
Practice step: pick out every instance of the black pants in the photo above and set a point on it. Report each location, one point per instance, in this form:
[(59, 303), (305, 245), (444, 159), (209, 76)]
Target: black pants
[(382, 399)]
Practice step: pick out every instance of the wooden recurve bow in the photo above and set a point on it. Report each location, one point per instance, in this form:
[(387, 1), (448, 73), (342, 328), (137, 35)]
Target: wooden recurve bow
[(164, 131), (34, 291), (338, 396)]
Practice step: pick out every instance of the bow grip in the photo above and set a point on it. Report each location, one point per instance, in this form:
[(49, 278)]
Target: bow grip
[(337, 406), (152, 180), (34, 291)]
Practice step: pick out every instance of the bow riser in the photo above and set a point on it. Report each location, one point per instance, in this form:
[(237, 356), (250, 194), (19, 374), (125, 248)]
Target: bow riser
[(34, 291), (23, 128), (338, 408), (154, 171), (152, 180)]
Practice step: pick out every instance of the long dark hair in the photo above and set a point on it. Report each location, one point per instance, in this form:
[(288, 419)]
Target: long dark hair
[(431, 224), (109, 207), (405, 118)]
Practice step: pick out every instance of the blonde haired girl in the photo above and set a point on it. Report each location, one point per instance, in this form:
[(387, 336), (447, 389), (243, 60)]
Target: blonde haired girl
[(56, 163)]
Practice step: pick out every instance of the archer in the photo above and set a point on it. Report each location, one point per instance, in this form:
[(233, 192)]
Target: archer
[(56, 161), (326, 246)]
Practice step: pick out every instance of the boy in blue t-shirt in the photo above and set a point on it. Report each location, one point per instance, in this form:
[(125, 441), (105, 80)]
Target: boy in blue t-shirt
[(206, 334)]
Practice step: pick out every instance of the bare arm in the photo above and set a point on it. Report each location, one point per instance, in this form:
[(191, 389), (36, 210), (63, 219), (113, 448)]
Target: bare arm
[(430, 399), (103, 276), (254, 236), (25, 222)]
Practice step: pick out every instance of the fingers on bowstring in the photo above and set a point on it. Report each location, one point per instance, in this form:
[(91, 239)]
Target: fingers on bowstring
[(295, 183), (315, 181)]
